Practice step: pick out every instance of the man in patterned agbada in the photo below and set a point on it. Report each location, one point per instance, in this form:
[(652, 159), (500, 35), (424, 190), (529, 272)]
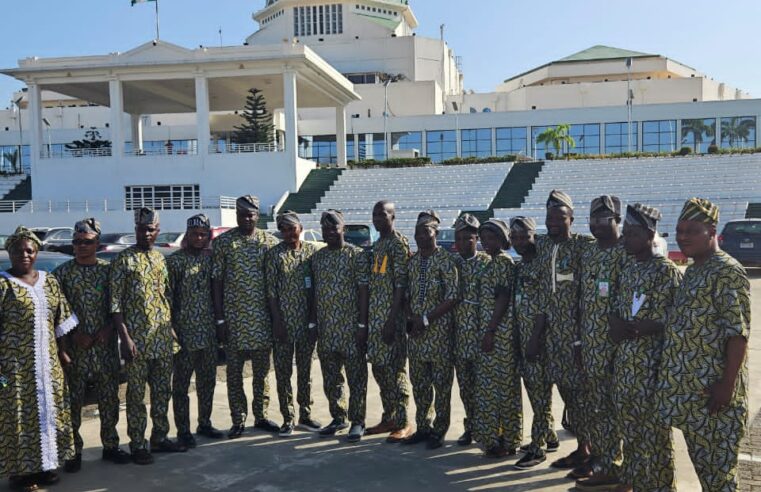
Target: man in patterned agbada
[(193, 322), (703, 380), (35, 423), (290, 292), (141, 312), (340, 313), (94, 348), (387, 339), (646, 290), (432, 296), (242, 314), (471, 266)]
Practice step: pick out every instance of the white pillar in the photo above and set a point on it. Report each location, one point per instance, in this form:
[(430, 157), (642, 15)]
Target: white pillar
[(355, 157), (117, 113), (137, 132), (341, 136), (290, 106), (494, 142), (202, 115), (369, 146), (35, 123)]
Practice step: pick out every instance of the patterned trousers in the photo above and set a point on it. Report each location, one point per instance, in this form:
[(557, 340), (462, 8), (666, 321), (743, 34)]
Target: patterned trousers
[(499, 407), (106, 386), (466, 370), (713, 443), (602, 420), (300, 346), (236, 395), (432, 390), (333, 364), (157, 374), (648, 445), (539, 390), (394, 390), (204, 364)]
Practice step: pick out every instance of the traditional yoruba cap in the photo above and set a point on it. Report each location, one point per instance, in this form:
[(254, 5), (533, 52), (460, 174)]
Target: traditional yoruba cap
[(643, 216), (606, 203), (521, 223), (559, 198), (332, 218), (700, 210), (146, 216), (498, 227), (20, 234), (247, 203), (199, 220), (466, 221), (87, 226), (287, 218), (428, 218)]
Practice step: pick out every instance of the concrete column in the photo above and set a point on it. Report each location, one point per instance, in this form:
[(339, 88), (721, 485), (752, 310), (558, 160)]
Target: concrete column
[(602, 139), (424, 144), (356, 147), (202, 115), (290, 107), (116, 93), (639, 135), (494, 142), (341, 136), (137, 132), (369, 146), (717, 132), (35, 123)]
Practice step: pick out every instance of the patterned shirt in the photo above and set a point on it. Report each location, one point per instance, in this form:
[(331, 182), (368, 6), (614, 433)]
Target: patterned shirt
[(528, 302), (139, 291), (289, 281), (337, 277), (496, 280), (86, 287), (561, 280), (388, 271), (238, 261), (440, 283), (712, 306), (600, 271), (636, 361), (192, 305), (468, 323)]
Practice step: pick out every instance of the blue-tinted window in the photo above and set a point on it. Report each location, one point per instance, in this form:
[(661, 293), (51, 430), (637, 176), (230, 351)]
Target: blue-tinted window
[(321, 149), (587, 138), (512, 141), (699, 134), (441, 145), (617, 137), (476, 143), (738, 132), (659, 136), (538, 150), (402, 141), (9, 159), (375, 151)]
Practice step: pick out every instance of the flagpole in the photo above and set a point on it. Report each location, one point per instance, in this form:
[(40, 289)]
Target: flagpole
[(158, 35)]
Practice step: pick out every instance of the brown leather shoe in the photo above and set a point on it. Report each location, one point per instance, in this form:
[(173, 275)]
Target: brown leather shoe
[(383, 428), (399, 435)]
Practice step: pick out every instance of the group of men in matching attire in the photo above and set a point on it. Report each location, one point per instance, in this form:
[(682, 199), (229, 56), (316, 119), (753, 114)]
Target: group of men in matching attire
[(634, 346)]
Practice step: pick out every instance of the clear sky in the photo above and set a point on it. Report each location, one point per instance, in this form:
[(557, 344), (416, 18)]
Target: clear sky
[(495, 38)]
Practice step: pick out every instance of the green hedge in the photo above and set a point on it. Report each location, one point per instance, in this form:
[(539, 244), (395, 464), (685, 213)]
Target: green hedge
[(391, 163), (479, 160), (639, 155)]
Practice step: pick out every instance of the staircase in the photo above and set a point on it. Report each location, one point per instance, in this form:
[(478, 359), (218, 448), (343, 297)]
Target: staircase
[(15, 188), (517, 185), (753, 211), (312, 190)]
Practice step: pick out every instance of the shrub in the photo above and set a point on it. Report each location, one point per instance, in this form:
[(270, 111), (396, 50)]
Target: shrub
[(391, 163), (479, 160), (713, 149), (684, 151)]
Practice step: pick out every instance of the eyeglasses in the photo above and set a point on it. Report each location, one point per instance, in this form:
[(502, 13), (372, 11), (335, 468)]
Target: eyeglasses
[(83, 242)]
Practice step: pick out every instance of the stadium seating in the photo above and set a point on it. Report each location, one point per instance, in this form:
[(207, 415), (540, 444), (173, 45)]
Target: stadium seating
[(729, 181), (8, 183)]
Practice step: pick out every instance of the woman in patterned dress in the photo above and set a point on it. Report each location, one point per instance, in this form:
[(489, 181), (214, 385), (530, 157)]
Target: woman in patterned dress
[(35, 422)]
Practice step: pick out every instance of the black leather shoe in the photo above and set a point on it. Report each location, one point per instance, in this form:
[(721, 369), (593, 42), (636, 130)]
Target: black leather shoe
[(434, 442), (209, 431), (416, 438), (236, 431), (267, 426), (73, 465), (186, 440), (167, 446), (142, 457), (117, 456), (466, 439)]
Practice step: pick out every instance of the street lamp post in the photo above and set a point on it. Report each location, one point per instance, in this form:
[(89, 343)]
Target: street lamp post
[(629, 62), (19, 160)]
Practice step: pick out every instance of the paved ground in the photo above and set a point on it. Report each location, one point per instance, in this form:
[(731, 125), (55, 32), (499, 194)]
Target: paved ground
[(263, 463)]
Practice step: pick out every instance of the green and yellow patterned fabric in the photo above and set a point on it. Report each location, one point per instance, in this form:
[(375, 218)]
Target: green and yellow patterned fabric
[(192, 307)]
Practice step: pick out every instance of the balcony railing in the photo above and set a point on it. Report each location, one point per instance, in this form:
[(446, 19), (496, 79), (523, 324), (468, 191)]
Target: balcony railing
[(165, 151), (76, 153), (171, 203), (245, 148)]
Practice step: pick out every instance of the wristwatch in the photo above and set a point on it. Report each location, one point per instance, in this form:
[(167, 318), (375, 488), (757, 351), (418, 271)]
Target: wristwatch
[(426, 323)]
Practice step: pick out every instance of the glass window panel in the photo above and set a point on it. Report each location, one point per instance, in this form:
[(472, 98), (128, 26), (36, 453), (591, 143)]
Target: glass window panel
[(738, 132), (699, 134), (441, 145), (617, 137), (659, 136)]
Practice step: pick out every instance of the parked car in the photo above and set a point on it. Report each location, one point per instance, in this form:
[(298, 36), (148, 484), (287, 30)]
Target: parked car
[(742, 240), (110, 254), (361, 235), (53, 238), (170, 239), (3, 237), (116, 241), (47, 261)]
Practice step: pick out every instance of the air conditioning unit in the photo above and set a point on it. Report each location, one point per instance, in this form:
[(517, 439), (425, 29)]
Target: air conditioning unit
[(404, 154)]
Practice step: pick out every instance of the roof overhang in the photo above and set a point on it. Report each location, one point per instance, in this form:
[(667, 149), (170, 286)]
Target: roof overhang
[(160, 77)]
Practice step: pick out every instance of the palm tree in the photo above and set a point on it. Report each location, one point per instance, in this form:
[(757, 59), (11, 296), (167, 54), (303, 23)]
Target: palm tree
[(737, 129), (556, 137), (12, 159), (698, 129)]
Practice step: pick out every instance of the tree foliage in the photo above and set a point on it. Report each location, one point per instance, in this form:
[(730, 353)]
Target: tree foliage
[(557, 137), (257, 126)]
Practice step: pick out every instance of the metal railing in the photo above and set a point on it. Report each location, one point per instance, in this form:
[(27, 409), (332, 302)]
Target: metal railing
[(245, 148), (76, 153), (166, 151), (105, 205)]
